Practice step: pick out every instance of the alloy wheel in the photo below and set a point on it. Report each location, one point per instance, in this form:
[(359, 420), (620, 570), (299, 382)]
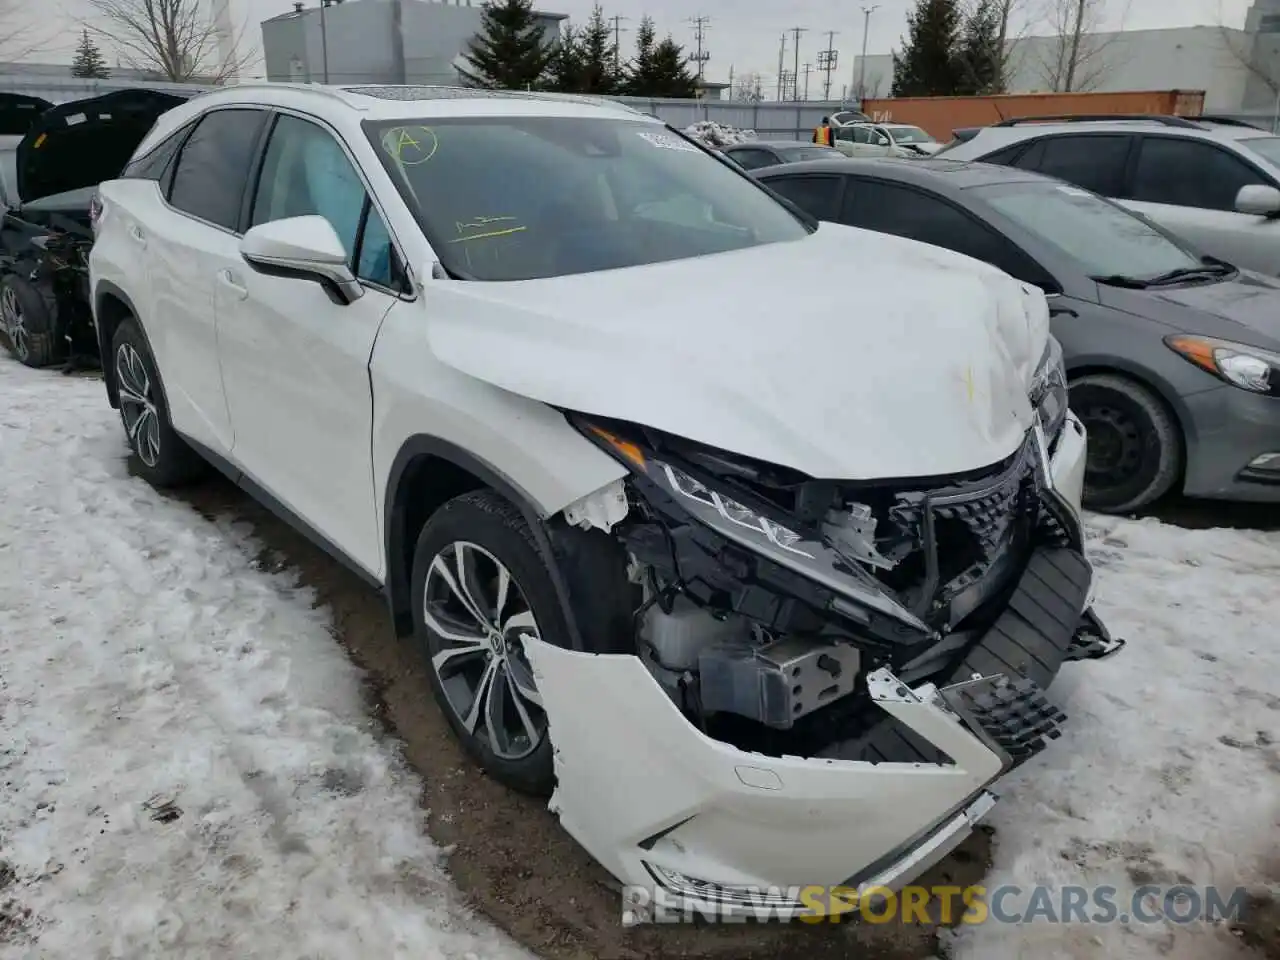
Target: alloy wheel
[(137, 404), (14, 323), (481, 619)]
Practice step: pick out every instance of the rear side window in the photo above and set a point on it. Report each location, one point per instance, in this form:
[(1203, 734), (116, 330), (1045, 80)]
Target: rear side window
[(816, 196), (154, 164), (1093, 162), (213, 166), (904, 212), (1190, 173), (1003, 157)]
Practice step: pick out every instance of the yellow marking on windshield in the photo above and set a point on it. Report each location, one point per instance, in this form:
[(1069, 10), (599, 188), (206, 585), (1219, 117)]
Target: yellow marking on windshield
[(411, 145), (491, 233)]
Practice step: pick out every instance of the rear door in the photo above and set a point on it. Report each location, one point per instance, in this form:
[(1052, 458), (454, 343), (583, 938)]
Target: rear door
[(1095, 161), (190, 238), (1189, 186)]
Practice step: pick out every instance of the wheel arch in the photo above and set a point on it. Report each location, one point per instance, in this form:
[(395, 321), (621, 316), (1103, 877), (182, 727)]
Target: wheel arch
[(426, 473), (111, 307), (1157, 386)]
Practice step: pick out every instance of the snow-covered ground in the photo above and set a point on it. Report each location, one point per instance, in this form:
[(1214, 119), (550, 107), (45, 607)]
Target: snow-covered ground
[(188, 769)]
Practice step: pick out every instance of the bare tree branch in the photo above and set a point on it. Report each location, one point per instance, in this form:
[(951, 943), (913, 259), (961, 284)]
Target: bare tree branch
[(1240, 50), (1077, 59), (19, 36), (178, 39)]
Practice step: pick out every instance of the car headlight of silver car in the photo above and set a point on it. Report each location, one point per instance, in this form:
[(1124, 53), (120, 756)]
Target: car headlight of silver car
[(1243, 366), (1049, 390)]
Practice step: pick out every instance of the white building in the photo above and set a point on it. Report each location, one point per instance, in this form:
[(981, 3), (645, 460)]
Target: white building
[(1212, 59)]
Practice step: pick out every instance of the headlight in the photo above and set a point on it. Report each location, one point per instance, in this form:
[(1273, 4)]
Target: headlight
[(1249, 368), (1049, 390), (857, 594)]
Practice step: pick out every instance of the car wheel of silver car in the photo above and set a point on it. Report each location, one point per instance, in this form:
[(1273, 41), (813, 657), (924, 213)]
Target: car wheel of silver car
[(1135, 446), (160, 456)]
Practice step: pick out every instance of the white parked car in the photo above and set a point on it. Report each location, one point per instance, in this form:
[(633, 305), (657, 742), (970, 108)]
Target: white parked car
[(580, 398), (885, 140)]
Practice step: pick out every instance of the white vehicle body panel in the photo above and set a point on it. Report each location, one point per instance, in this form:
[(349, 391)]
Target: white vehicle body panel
[(746, 818), (1245, 239), (951, 353)]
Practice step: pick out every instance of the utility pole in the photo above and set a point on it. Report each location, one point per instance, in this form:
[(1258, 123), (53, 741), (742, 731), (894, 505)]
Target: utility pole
[(618, 31), (701, 57), (795, 70), (782, 58), (731, 90), (324, 40), (808, 69), (827, 60), (861, 91)]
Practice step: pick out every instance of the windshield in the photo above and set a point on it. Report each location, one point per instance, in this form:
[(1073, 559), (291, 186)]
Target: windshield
[(1104, 239), (795, 154), (1266, 147), (521, 198), (909, 135)]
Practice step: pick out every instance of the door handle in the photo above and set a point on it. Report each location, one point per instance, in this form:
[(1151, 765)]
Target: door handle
[(228, 280), (136, 235)]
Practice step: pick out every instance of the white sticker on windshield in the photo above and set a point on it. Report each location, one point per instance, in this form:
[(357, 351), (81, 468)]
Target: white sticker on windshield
[(667, 142), (1073, 191)]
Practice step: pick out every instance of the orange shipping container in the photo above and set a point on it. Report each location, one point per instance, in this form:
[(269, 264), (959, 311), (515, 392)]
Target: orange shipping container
[(939, 116)]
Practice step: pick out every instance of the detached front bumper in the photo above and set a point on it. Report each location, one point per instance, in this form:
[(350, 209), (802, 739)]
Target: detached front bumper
[(661, 805)]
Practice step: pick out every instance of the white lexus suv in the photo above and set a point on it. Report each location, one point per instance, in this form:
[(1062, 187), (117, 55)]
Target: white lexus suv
[(782, 584)]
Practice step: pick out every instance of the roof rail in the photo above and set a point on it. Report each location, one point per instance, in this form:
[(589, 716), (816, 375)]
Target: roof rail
[(1228, 122), (1168, 121), (332, 90)]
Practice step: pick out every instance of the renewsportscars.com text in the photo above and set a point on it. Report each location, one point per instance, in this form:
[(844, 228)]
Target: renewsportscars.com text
[(1148, 904)]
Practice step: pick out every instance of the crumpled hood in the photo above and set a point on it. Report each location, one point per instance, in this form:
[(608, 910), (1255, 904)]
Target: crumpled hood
[(845, 355)]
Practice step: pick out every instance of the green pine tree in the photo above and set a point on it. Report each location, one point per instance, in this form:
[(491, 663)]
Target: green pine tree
[(640, 77), (672, 76), (564, 73), (510, 52), (928, 65), (89, 63), (979, 53), (599, 57)]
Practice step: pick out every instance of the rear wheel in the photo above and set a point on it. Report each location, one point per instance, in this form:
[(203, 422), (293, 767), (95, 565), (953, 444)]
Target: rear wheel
[(1135, 448), (27, 322), (161, 456)]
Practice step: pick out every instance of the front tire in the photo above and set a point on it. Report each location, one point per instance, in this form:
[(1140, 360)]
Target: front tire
[(1134, 454), (480, 588), (160, 455)]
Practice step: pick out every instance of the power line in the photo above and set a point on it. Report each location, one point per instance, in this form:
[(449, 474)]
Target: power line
[(701, 57), (795, 70), (618, 31)]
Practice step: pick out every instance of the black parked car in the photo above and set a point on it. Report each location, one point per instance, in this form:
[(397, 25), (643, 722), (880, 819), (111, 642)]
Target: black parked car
[(1173, 357), (65, 151)]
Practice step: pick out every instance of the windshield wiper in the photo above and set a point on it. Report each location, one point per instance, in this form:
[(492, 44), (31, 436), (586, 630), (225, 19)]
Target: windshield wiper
[(1210, 269), (1120, 280)]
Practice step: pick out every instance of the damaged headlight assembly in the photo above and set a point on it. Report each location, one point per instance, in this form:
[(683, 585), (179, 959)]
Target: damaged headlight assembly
[(1049, 390), (795, 561)]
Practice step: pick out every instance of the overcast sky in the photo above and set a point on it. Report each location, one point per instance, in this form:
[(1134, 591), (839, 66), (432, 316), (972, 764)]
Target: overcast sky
[(744, 34)]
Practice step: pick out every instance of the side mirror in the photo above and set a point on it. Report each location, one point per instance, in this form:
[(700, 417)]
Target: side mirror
[(1259, 200), (302, 248)]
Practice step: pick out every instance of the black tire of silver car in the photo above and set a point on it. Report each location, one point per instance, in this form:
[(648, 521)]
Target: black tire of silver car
[(27, 322), (160, 455), (1135, 448)]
